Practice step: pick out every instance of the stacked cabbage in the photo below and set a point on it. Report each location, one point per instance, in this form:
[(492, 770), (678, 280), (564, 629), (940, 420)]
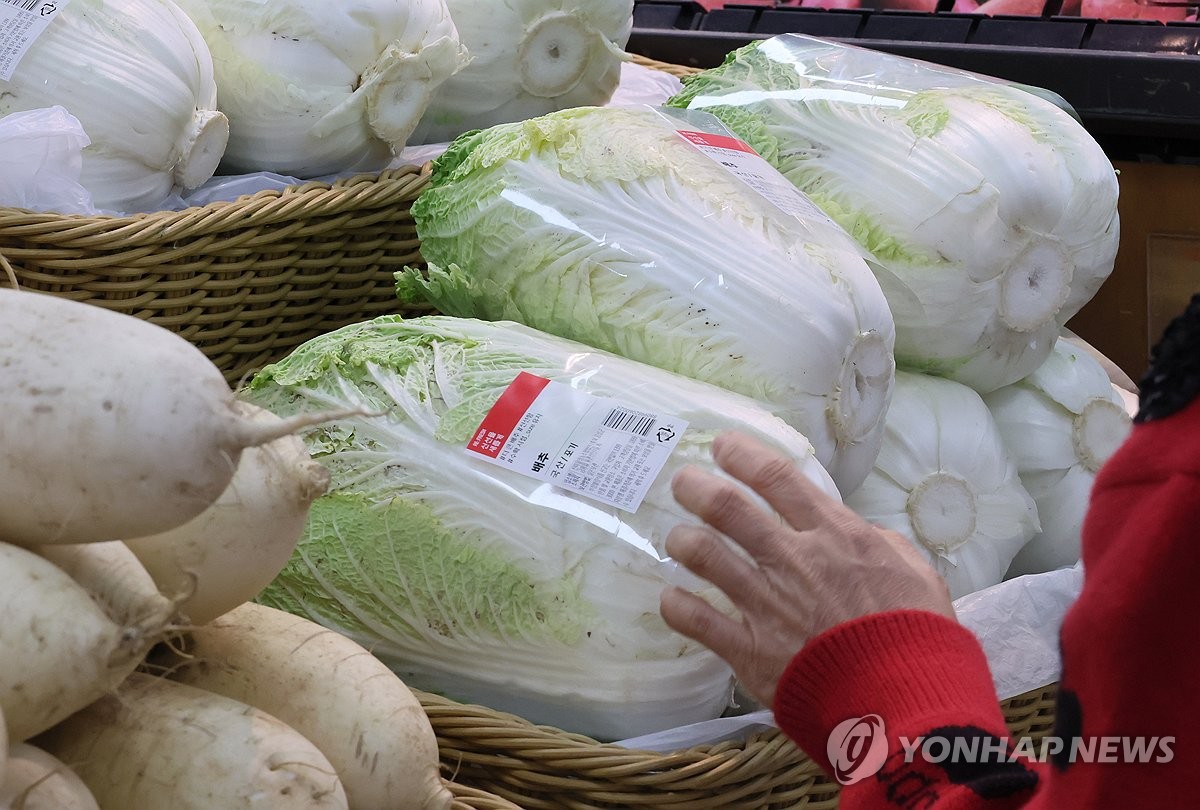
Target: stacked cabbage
[(982, 215), (168, 91), (1061, 424), (138, 76), (945, 480), (313, 87), (603, 225)]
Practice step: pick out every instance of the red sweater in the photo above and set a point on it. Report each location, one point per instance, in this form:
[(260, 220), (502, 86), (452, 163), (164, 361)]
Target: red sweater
[(1129, 665)]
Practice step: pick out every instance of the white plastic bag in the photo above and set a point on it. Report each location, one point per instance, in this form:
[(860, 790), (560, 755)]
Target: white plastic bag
[(41, 154)]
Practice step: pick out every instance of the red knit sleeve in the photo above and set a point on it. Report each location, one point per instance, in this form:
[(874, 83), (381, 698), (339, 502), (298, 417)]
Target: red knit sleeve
[(900, 706)]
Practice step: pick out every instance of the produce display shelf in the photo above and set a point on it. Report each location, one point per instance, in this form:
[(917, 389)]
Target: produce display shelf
[(249, 280), (1133, 82)]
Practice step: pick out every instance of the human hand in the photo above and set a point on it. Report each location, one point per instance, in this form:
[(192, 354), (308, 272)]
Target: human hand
[(819, 566)]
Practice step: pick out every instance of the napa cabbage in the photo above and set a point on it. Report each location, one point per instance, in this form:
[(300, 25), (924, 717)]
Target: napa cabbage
[(314, 87), (528, 58), (945, 480), (991, 212), (473, 580), (138, 76), (1060, 424)]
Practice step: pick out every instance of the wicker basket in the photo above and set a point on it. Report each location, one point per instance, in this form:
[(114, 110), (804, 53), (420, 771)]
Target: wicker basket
[(469, 798), (543, 768), (246, 281)]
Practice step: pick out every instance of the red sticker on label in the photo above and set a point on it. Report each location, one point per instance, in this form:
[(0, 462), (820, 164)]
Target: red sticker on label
[(720, 141), (500, 421)]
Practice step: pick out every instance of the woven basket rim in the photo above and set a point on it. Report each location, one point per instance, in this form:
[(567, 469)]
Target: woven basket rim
[(304, 190), (666, 67), (551, 736)]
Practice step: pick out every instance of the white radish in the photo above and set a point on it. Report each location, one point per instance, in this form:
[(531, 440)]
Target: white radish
[(334, 692), (161, 745), (113, 427), (233, 549), (61, 650), (115, 579), (34, 780)]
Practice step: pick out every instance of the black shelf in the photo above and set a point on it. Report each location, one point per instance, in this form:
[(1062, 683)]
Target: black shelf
[(1135, 84)]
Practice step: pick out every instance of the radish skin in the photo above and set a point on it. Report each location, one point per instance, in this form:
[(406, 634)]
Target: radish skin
[(61, 651), (233, 549), (334, 692), (113, 427), (34, 780), (115, 579), (161, 745)]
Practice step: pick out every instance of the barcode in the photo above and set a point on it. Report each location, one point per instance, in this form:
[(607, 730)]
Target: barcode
[(28, 5), (629, 421)]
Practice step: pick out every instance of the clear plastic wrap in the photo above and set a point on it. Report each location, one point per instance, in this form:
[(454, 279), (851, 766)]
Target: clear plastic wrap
[(494, 584), (990, 211)]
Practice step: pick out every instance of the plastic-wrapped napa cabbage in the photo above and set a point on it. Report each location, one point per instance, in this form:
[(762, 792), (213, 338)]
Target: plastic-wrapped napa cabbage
[(479, 581), (1061, 423), (315, 87), (527, 59), (991, 211)]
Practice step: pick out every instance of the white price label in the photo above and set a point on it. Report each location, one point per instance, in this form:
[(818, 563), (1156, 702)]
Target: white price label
[(594, 446), (22, 22), (754, 170)]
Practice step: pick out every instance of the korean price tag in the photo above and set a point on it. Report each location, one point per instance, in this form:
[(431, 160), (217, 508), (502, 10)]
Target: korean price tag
[(753, 170), (593, 446), (22, 22)]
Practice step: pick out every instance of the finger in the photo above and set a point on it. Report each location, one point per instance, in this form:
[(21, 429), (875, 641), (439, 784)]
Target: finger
[(706, 554), (689, 615), (727, 507), (775, 477)]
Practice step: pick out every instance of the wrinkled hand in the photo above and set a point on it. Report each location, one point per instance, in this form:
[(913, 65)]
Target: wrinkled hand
[(819, 566)]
